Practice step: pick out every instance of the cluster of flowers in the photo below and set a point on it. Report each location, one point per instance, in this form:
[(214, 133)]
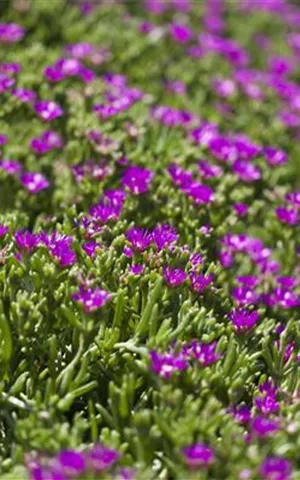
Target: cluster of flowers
[(71, 464), (176, 360), (121, 217)]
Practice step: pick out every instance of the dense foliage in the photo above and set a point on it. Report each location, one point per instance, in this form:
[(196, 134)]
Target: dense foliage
[(149, 231)]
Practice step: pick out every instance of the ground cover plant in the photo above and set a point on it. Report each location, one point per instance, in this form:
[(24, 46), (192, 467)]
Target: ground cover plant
[(149, 230)]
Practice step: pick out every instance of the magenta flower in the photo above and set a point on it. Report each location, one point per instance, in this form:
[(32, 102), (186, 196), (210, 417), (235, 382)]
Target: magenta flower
[(246, 171), (201, 194), (46, 142), (34, 182), (224, 87), (196, 259), (200, 282), (10, 68), (276, 468), (205, 353), (3, 230), (80, 50), (5, 83), (26, 241), (226, 259), (174, 276), (241, 209), (72, 463), (263, 426), (139, 238), (245, 296), (293, 198), (267, 404), (3, 139), (101, 458), (274, 156), (208, 170), (137, 179), (11, 167), (181, 33), (164, 235), (137, 269), (181, 178), (198, 455), (243, 320), (59, 247), (48, 110), (24, 95), (11, 32), (242, 414), (166, 364), (287, 215), (90, 248), (91, 299), (177, 87)]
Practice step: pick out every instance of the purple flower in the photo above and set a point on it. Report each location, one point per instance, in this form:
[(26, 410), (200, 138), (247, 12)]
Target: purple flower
[(224, 87), (3, 230), (91, 299), (205, 353), (80, 50), (243, 320), (246, 171), (164, 235), (3, 140), (26, 241), (59, 247), (139, 238), (181, 33), (196, 259), (110, 207), (53, 74), (126, 474), (226, 259), (174, 276), (208, 170), (242, 413), (198, 455), (101, 458), (293, 198), (5, 83), (241, 209), (176, 86), (10, 68), (280, 65), (72, 463), (46, 142), (166, 364), (11, 32), (263, 426), (24, 95), (201, 194), (249, 281), (48, 110), (34, 182), (11, 167), (244, 296), (287, 215), (137, 179), (90, 248), (274, 156), (181, 178), (276, 468), (200, 282), (137, 269), (267, 403)]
